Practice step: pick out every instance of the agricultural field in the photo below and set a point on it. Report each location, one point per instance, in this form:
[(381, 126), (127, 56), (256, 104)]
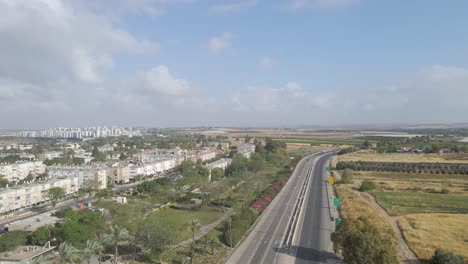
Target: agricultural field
[(431, 209), (424, 232), (367, 155)]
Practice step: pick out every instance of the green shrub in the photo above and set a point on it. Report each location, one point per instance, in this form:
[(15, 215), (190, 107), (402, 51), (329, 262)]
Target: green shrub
[(13, 239), (367, 186), (361, 242), (445, 257)]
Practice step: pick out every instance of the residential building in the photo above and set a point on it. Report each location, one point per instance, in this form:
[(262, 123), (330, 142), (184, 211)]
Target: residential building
[(118, 173), (19, 171), (34, 194), (97, 173), (222, 164), (246, 150)]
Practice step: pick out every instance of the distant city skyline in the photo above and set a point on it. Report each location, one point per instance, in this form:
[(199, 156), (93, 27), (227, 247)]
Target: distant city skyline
[(236, 63)]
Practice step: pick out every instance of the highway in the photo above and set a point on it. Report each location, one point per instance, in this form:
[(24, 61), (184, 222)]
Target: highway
[(296, 227)]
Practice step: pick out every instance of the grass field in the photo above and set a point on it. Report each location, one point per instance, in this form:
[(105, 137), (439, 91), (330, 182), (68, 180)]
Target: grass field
[(403, 157), (178, 218), (354, 205), (397, 203), (426, 232)]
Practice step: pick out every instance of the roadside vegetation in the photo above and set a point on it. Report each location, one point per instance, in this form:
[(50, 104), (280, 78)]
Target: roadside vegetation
[(430, 208)]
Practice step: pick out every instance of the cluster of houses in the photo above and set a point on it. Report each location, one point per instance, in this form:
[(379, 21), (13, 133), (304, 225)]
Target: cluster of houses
[(97, 176)]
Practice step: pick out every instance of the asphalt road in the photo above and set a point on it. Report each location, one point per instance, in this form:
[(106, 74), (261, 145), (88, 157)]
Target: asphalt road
[(310, 239)]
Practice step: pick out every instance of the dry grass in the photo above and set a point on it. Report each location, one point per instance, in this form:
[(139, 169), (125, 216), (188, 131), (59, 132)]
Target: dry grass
[(414, 182), (403, 157), (354, 206), (426, 232)]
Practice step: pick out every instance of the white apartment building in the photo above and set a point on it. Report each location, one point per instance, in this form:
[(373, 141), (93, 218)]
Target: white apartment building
[(159, 165), (34, 194), (19, 171), (222, 164), (246, 150), (119, 173), (52, 155), (83, 173)]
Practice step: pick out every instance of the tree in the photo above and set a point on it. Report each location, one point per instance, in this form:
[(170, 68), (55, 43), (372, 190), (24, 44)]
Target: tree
[(55, 193), (79, 226), (155, 235), (367, 186), (67, 253), (217, 174), (361, 242), (219, 147), (41, 236), (101, 241), (445, 257), (30, 177), (42, 259), (3, 182), (193, 225), (247, 139), (116, 236), (122, 156), (90, 249), (12, 239)]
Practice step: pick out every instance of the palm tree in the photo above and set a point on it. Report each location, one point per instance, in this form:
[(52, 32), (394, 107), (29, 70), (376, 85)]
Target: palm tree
[(42, 259), (193, 225), (90, 250), (117, 235), (101, 241), (66, 253)]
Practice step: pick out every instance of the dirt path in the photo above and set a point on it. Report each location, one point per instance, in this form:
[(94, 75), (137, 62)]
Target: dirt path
[(404, 252)]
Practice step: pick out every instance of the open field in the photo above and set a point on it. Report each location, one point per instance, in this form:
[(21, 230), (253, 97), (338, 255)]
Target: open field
[(416, 182), (353, 206), (178, 218), (427, 219), (409, 203), (426, 232), (318, 141)]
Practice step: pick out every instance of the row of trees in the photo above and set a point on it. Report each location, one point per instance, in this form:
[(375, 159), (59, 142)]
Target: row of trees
[(437, 168)]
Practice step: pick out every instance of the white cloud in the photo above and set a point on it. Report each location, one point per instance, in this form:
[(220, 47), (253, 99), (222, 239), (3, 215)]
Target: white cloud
[(234, 6), (47, 40), (159, 81), (221, 42), (443, 73), (268, 63), (302, 4)]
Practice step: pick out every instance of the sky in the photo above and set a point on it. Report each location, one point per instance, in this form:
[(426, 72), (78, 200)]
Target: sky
[(181, 63)]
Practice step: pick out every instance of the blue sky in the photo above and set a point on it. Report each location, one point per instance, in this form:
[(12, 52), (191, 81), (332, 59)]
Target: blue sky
[(232, 63)]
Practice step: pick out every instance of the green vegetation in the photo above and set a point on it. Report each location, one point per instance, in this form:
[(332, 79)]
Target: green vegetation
[(12, 239), (40, 236), (235, 228), (3, 182), (319, 141), (176, 219), (367, 186), (443, 257), (64, 161), (361, 242), (79, 226), (412, 202), (55, 193)]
